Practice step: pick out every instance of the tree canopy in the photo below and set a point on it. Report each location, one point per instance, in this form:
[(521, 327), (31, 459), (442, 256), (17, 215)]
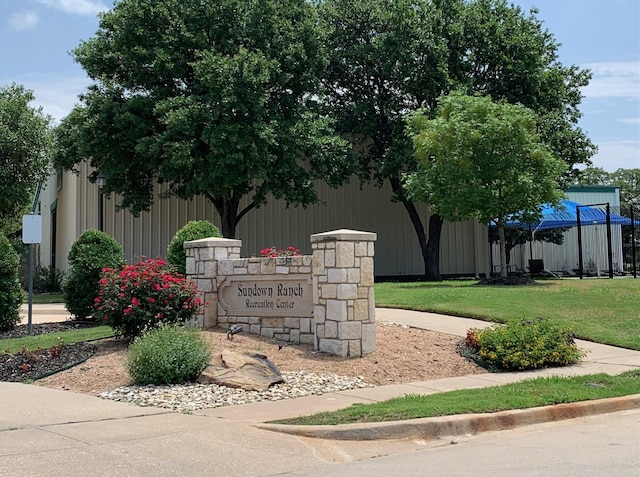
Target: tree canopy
[(485, 160), (25, 145), (212, 98), (391, 57), (628, 180)]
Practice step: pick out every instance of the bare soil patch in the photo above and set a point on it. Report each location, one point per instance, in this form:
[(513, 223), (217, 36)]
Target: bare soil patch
[(402, 355)]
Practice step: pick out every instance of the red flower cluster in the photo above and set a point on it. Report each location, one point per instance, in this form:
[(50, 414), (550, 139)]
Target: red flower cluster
[(273, 252), (139, 297)]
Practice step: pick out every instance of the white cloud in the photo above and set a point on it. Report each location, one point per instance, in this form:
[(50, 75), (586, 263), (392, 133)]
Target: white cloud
[(24, 20), (630, 120), (56, 94), (614, 79), (613, 155), (77, 7)]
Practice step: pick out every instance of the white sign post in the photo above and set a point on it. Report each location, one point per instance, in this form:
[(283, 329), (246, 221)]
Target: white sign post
[(31, 234)]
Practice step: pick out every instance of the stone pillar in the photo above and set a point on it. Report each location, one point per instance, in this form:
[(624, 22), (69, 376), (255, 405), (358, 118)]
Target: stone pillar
[(202, 268), (343, 294)]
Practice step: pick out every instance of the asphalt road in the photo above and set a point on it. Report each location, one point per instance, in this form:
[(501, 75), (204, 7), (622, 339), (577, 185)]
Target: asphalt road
[(605, 445)]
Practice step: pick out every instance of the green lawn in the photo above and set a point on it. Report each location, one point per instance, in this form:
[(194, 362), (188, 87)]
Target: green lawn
[(41, 298), (605, 311), (602, 310), (48, 340), (521, 395)]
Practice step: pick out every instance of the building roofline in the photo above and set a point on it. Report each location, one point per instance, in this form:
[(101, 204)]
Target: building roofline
[(592, 188)]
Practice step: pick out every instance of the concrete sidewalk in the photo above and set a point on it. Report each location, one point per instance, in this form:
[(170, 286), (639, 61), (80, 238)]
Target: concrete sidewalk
[(45, 431), (44, 313)]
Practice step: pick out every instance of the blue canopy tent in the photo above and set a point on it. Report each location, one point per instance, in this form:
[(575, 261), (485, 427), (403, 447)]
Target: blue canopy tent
[(565, 215), (569, 214)]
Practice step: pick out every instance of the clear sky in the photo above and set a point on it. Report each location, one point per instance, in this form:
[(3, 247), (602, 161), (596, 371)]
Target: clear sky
[(601, 35)]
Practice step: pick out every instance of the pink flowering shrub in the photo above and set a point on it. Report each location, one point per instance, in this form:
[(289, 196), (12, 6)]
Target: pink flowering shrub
[(140, 297), (272, 252)]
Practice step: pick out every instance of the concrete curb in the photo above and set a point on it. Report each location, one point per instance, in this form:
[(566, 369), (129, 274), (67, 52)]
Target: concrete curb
[(458, 425)]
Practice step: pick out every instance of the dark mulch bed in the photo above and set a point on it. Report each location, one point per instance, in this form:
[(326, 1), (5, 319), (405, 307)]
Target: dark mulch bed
[(509, 281), (29, 365)]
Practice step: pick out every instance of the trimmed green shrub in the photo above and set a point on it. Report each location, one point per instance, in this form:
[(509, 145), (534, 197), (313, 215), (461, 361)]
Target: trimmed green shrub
[(11, 294), (194, 230), (137, 298), (90, 253), (167, 355), (22, 249), (525, 344)]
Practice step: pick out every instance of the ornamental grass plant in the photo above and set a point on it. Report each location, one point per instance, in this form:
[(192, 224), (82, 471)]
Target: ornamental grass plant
[(140, 297)]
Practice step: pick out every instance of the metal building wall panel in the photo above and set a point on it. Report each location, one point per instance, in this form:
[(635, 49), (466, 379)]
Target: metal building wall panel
[(369, 209)]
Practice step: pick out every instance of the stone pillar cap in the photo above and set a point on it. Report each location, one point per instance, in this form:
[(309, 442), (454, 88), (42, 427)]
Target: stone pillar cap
[(344, 234), (213, 242)]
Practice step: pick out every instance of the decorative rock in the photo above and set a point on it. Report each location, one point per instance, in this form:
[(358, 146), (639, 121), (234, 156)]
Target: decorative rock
[(192, 396), (249, 371)]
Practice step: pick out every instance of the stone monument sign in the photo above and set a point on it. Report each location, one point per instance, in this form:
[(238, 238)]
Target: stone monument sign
[(267, 295), (325, 299)]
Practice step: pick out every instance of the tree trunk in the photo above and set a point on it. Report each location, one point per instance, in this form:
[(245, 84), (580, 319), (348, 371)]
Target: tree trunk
[(430, 259), (227, 208), (432, 262), (228, 217), (503, 252)]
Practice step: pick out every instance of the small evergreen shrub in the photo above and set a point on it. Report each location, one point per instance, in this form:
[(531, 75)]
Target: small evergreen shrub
[(167, 355), (47, 280), (136, 298), (90, 253), (194, 230), (524, 344), (11, 294)]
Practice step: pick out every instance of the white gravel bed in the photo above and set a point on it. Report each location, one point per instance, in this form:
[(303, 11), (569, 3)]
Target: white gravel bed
[(191, 397)]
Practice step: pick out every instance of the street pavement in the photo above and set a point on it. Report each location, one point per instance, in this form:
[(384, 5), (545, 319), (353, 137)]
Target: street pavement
[(605, 445), (47, 432)]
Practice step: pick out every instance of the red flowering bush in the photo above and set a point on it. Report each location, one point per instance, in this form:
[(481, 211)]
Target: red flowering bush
[(272, 252), (140, 297)]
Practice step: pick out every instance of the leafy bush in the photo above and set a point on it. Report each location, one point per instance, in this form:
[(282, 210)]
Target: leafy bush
[(526, 344), (167, 355), (47, 280), (11, 294), (137, 298), (194, 230), (22, 249), (90, 253)]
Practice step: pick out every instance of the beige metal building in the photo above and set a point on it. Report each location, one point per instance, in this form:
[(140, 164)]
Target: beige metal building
[(69, 206)]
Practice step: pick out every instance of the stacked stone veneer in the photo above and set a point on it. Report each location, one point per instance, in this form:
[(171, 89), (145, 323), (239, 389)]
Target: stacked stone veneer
[(344, 303), (341, 316)]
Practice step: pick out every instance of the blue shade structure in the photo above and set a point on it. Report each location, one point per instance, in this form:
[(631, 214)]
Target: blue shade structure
[(564, 216)]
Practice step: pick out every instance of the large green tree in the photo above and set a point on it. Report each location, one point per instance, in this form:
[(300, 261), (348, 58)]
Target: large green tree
[(386, 58), (25, 145), (389, 57), (628, 180), (485, 160), (212, 97)]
